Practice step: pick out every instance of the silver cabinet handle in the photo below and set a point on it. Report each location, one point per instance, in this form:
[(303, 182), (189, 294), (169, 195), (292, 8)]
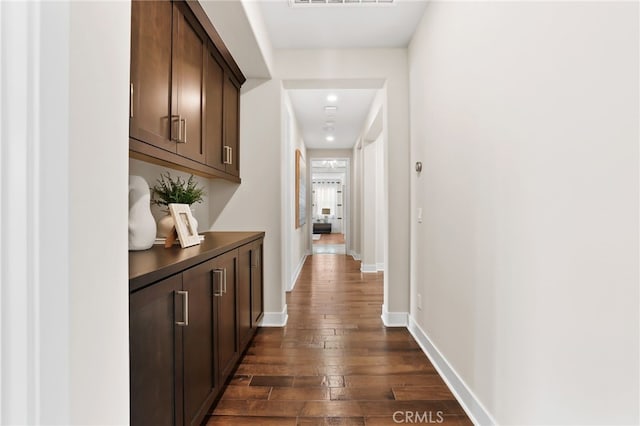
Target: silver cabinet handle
[(224, 273), (176, 119), (185, 301), (183, 126), (218, 273), (131, 100), (227, 155), (230, 155)]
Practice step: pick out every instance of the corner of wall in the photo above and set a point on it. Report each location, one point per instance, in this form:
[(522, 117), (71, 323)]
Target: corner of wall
[(275, 319), (394, 319), (472, 406)]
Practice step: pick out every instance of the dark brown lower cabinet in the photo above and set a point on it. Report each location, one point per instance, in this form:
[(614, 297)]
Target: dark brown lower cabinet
[(155, 354), (225, 267), (244, 294), (249, 290), (257, 289), (198, 334), (186, 335)]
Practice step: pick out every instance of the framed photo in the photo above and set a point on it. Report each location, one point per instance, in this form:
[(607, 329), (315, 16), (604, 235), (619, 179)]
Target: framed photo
[(185, 227), (301, 190)]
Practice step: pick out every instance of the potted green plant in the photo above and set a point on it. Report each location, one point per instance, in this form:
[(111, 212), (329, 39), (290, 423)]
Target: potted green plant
[(179, 191)]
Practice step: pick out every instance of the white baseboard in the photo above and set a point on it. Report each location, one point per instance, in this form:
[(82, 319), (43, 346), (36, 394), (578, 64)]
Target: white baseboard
[(394, 319), (355, 255), (471, 404), (379, 267), (275, 319), (296, 273), (368, 268)]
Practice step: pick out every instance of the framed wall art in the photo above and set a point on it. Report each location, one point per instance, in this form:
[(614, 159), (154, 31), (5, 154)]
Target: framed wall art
[(301, 190)]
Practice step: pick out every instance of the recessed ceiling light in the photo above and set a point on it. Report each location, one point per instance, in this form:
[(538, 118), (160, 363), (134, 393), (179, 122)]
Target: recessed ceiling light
[(330, 109), (332, 97), (330, 138)]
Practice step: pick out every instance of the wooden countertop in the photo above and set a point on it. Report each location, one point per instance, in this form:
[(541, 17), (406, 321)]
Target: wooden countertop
[(149, 266)]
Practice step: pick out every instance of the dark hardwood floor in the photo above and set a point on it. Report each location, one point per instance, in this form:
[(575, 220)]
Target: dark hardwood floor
[(335, 363)]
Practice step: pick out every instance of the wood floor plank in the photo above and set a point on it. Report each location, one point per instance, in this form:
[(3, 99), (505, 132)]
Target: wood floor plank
[(300, 394), (422, 393), (335, 363), (247, 420), (246, 392)]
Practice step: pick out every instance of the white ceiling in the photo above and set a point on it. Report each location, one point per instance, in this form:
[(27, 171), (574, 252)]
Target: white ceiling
[(352, 108), (251, 28), (341, 26)]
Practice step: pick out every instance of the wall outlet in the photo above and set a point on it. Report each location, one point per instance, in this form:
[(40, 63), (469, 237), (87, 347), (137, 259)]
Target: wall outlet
[(419, 301)]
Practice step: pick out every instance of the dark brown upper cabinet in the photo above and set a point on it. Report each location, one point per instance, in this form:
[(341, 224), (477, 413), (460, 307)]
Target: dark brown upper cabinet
[(214, 83), (231, 119), (188, 76), (185, 91), (150, 97)]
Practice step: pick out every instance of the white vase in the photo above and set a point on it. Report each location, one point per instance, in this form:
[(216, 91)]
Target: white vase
[(142, 227), (165, 225)]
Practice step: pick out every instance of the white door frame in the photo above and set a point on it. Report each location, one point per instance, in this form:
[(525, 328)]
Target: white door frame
[(346, 210)]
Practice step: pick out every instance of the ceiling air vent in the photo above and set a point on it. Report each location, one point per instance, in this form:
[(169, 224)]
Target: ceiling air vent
[(295, 3)]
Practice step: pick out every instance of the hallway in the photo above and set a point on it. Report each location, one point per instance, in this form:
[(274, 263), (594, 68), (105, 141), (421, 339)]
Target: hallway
[(335, 363)]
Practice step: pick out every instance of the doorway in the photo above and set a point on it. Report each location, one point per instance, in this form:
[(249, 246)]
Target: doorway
[(329, 209)]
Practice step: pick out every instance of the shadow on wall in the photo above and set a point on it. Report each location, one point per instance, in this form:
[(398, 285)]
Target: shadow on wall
[(221, 192)]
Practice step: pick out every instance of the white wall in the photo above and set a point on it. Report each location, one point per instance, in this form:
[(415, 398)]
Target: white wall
[(525, 116), (380, 207), (298, 237), (64, 121), (369, 217), (151, 173), (256, 203), (330, 153), (356, 202), (388, 69), (98, 215)]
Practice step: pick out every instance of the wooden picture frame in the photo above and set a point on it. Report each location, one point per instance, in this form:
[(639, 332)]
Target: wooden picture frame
[(301, 190), (185, 226)]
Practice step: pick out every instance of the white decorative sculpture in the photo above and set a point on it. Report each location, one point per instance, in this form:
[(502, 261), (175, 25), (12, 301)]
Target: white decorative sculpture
[(142, 226)]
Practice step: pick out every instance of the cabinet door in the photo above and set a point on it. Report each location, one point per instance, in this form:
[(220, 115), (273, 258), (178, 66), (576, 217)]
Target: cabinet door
[(231, 116), (155, 353), (214, 83), (257, 288), (188, 74), (151, 73), (200, 382), (244, 294), (225, 281)]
